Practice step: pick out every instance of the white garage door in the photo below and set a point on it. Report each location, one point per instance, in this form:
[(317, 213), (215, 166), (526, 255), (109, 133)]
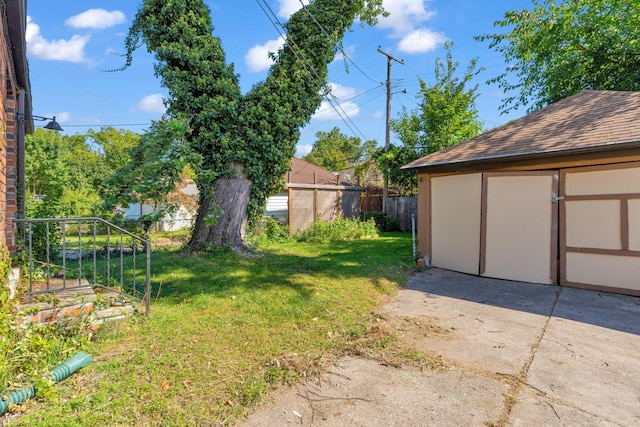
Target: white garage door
[(519, 220), (455, 222)]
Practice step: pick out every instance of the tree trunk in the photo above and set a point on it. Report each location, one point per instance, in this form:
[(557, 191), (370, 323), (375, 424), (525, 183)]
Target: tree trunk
[(232, 196)]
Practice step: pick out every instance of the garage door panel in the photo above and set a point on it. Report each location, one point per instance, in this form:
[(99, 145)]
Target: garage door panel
[(601, 182), (455, 222), (600, 223), (520, 227), (596, 270), (593, 224)]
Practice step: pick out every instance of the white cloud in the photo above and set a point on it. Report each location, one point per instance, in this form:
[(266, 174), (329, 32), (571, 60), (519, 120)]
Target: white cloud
[(150, 104), (340, 96), (339, 91), (289, 7), (404, 15), (378, 114), (303, 150), (96, 19), (406, 21), (257, 58), (420, 41), (61, 117), (71, 50)]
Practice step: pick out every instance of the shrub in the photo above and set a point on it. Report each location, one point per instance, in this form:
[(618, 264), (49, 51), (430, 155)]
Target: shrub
[(383, 222), (28, 352), (270, 230), (340, 229)]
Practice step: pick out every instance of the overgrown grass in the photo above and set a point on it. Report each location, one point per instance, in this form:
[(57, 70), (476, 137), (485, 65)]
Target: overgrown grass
[(224, 330), (339, 229)]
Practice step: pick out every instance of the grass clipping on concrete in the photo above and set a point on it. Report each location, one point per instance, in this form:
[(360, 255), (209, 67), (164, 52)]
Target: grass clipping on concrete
[(225, 330)]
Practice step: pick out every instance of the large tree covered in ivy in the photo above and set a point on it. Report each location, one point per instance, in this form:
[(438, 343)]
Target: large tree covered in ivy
[(240, 145), (559, 48)]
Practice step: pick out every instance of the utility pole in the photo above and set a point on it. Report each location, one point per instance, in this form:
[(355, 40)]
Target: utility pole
[(385, 190)]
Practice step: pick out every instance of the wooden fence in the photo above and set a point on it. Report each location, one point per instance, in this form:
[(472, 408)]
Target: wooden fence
[(399, 208)]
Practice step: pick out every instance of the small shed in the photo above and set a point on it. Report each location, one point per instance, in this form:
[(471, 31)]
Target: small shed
[(311, 194), (552, 197)]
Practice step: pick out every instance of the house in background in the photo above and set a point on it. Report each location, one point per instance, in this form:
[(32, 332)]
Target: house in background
[(15, 116), (312, 194), (185, 196), (553, 197)]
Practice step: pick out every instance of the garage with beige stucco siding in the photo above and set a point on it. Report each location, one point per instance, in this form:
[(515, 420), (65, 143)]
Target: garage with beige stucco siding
[(553, 197)]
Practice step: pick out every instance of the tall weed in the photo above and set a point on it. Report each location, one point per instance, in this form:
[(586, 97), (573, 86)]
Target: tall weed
[(340, 229)]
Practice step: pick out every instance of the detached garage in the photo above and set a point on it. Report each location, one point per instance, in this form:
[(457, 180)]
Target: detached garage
[(553, 197)]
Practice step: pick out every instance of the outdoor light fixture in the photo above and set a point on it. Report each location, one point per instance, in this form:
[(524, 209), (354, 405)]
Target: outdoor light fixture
[(52, 125)]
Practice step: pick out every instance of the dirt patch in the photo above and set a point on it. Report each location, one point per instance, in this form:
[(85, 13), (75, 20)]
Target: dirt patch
[(383, 379)]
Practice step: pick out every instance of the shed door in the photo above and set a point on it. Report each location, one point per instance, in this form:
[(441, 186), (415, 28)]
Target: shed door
[(520, 226)]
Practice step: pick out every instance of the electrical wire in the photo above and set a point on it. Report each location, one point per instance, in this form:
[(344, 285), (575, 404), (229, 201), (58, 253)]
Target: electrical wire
[(107, 125), (342, 50), (292, 45)]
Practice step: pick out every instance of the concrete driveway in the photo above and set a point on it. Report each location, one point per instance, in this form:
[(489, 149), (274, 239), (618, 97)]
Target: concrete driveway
[(519, 354)]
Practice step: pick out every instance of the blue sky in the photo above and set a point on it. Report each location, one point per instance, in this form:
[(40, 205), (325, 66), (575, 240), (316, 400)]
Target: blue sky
[(71, 43)]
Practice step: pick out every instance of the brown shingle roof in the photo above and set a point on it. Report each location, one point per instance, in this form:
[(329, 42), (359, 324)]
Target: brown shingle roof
[(302, 172), (588, 120)]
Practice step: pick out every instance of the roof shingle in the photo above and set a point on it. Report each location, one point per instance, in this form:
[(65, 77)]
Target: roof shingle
[(588, 119), (303, 172)]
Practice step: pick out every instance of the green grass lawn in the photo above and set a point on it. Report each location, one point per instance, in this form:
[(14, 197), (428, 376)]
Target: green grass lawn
[(224, 330)]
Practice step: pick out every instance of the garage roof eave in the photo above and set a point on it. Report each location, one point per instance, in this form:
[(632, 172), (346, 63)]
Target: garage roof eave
[(541, 154)]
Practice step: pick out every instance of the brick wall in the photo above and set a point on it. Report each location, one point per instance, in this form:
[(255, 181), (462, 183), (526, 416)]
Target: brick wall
[(5, 73), (11, 169)]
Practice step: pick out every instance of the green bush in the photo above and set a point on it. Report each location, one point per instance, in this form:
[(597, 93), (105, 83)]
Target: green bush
[(28, 352), (340, 229), (383, 222), (270, 230)]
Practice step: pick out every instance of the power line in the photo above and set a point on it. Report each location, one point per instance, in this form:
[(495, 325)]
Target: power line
[(372, 97), (108, 125), (292, 45), (342, 50)]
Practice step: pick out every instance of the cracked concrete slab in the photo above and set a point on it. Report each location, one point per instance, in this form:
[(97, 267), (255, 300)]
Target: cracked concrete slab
[(520, 354)]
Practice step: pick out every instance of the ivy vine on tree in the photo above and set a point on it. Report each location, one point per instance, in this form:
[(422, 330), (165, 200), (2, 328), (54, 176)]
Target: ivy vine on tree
[(240, 145)]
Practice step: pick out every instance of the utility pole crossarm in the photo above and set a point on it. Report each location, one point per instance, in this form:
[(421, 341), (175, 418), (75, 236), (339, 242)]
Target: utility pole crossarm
[(390, 59), (388, 55)]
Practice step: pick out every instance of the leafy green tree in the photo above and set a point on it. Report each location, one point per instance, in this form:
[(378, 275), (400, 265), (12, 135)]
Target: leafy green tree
[(242, 144), (114, 145), (88, 167), (447, 114), (336, 151), (69, 171), (45, 170), (154, 169), (558, 49)]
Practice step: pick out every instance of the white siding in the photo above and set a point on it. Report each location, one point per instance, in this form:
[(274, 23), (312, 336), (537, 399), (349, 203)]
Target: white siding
[(278, 206)]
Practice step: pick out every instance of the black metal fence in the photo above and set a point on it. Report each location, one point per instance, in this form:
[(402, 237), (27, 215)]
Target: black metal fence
[(70, 253)]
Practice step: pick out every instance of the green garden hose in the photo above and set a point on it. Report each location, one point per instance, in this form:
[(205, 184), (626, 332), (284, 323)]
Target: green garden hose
[(79, 361)]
